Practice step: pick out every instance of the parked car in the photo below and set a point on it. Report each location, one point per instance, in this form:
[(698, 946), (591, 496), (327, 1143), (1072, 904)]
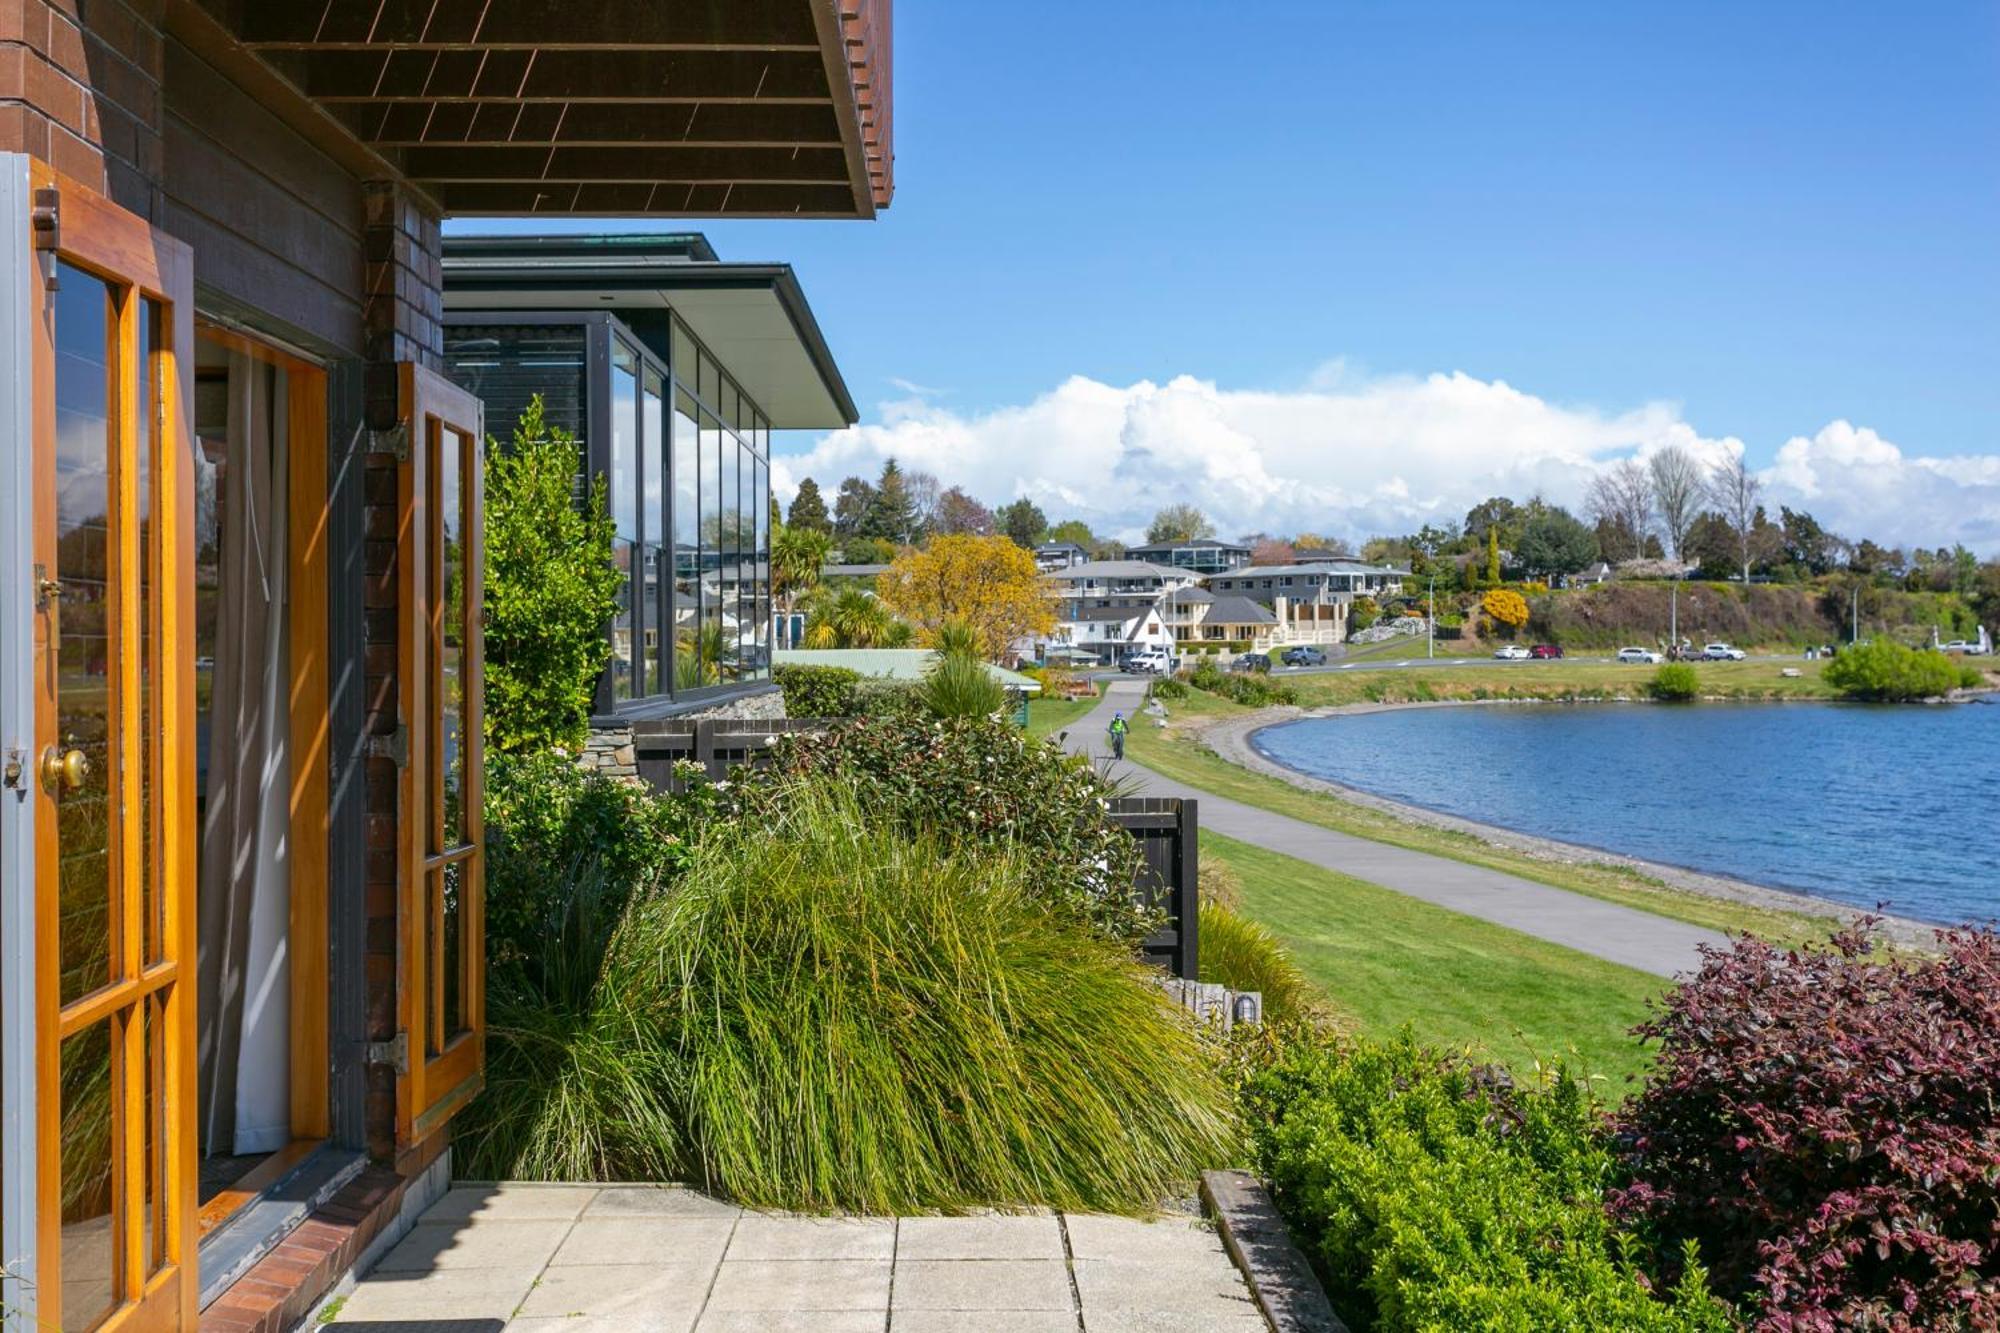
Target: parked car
[(1150, 662), (1545, 652), (1641, 656), (1722, 652), (1303, 655), (1251, 662), (1512, 652)]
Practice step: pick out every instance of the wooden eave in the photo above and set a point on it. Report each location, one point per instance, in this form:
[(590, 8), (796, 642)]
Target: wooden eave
[(749, 108)]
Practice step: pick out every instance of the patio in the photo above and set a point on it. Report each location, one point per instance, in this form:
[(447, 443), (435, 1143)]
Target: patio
[(617, 1258)]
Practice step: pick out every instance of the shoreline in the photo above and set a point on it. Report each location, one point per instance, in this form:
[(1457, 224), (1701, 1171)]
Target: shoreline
[(1232, 739)]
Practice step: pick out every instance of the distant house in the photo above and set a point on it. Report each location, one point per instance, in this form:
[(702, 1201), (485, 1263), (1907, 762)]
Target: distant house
[(1596, 574), (1234, 620), (900, 664), (1337, 579), (1117, 583), (1054, 556), (1204, 555), (1107, 635)]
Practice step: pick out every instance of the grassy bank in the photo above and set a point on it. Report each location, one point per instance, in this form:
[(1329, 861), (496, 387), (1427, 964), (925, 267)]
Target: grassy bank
[(1177, 753), (1385, 960), (1550, 680), (1048, 716)]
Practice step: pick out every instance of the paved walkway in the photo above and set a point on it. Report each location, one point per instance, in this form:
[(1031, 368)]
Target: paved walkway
[(620, 1259), (1606, 930)]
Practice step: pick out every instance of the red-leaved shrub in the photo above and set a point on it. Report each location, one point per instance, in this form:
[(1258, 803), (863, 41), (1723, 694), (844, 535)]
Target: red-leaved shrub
[(1825, 1125)]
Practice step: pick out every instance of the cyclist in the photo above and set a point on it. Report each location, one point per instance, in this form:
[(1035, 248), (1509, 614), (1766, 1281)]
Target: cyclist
[(1118, 729)]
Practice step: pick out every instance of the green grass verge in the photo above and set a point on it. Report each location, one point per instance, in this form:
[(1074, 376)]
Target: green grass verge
[(1385, 960), (1177, 754), (1048, 716), (1550, 680)]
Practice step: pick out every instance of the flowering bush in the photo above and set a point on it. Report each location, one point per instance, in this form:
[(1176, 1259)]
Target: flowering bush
[(1822, 1124), (1433, 1195), (1506, 606), (978, 779)]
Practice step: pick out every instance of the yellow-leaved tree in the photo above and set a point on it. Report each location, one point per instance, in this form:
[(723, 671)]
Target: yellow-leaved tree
[(1506, 606), (986, 583)]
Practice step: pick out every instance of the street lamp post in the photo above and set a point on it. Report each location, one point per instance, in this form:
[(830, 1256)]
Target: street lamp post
[(1431, 627)]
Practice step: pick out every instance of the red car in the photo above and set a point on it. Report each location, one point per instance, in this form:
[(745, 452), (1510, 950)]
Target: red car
[(1547, 652)]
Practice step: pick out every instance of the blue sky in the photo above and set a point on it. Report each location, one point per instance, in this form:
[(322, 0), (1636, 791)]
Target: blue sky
[(1759, 219)]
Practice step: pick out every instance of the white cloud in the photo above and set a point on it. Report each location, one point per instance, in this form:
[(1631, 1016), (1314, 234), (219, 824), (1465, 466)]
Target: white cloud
[(1350, 455)]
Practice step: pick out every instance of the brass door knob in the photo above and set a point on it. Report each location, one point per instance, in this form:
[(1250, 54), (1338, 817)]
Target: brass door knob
[(63, 769)]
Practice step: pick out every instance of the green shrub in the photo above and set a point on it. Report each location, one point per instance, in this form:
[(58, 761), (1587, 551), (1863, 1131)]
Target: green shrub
[(1674, 682), (870, 1020), (818, 691), (552, 826), (1434, 1196), (1886, 670), (1241, 954), (550, 588), (959, 685), (1253, 689), (979, 780), (1169, 688)]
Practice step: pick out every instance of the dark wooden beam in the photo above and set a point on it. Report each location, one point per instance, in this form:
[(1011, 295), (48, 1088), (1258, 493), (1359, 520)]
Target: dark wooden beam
[(636, 198), (659, 162), (653, 25), (411, 122), (555, 74)]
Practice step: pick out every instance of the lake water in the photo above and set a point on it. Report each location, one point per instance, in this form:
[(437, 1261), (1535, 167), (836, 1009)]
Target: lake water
[(1897, 807)]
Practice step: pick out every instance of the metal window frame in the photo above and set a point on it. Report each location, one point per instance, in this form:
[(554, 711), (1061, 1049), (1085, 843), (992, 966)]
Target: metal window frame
[(18, 1093)]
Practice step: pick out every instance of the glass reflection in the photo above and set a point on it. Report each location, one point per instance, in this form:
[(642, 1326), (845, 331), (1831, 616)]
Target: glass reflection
[(624, 516)]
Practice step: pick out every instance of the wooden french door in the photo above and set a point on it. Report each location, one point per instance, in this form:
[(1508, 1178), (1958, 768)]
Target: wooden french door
[(114, 497), (441, 952)]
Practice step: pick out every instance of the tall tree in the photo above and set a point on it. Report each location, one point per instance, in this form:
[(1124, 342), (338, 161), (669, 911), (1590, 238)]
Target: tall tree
[(1073, 530), (926, 499), (1495, 512), (797, 556), (1735, 490), (958, 514), (809, 508), (1313, 541), (891, 515), (1272, 551), (1555, 544), (1621, 500), (1807, 544), (987, 583), (1179, 523), (1679, 485), (1023, 521), (850, 507)]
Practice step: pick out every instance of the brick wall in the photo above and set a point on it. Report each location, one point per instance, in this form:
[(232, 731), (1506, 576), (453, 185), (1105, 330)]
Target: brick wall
[(80, 89)]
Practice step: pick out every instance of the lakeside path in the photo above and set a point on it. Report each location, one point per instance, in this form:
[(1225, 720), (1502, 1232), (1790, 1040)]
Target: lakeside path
[(1617, 934)]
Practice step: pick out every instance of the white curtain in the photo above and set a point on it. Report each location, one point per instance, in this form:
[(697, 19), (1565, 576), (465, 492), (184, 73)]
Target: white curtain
[(244, 962)]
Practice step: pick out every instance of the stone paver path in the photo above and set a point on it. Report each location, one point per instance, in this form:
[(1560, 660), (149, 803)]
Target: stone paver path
[(1606, 930), (626, 1258)]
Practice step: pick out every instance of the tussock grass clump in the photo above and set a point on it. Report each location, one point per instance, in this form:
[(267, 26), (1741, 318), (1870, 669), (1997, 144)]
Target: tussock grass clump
[(876, 1020), (1241, 954)]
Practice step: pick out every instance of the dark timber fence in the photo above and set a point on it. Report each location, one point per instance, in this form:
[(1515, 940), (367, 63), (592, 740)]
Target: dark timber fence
[(1165, 827)]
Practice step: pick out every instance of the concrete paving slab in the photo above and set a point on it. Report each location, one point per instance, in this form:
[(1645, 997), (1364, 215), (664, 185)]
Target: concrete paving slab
[(455, 1293), (772, 1236), (512, 1203), (794, 1285), (982, 1284), (815, 1321), (483, 1243), (663, 1292), (987, 1236), (1093, 1236), (645, 1240), (1189, 1287), (1165, 1321), (985, 1321), (656, 1201)]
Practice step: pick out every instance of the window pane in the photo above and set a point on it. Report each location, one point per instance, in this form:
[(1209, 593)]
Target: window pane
[(654, 447), (686, 539), (454, 457), (90, 1244), (87, 659), (506, 365), (145, 376), (706, 383), (761, 600), (683, 364), (624, 516), (729, 556), (710, 642)]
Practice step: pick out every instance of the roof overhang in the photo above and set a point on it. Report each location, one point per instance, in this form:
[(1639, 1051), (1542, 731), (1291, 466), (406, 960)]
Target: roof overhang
[(753, 317), (497, 108)]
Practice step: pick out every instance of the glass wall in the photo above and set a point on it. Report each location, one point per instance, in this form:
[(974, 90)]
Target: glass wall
[(685, 453)]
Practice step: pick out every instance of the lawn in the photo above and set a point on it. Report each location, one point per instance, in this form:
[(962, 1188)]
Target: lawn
[(1386, 960), (1549, 680), (1176, 753), (1048, 716)]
